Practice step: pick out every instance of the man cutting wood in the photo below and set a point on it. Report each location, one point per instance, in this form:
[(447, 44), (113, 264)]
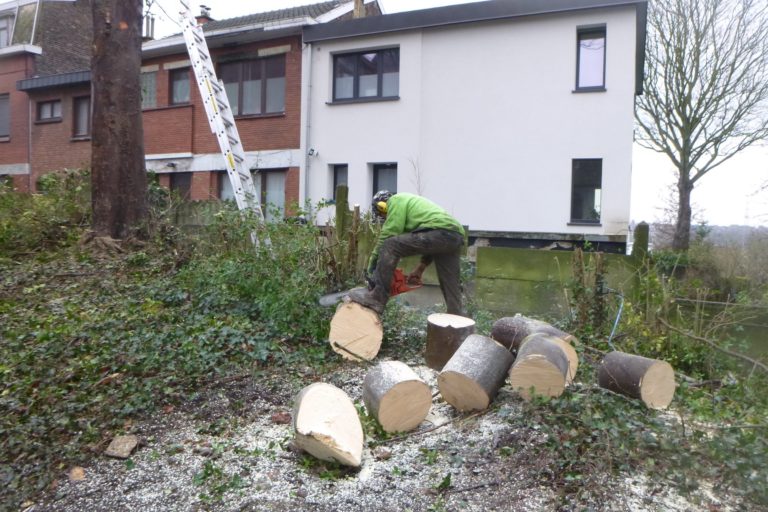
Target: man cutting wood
[(413, 225)]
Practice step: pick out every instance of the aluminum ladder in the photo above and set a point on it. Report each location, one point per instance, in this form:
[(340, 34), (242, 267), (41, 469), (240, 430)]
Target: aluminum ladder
[(220, 117)]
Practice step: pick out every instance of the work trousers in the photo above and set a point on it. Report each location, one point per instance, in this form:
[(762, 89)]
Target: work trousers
[(441, 246)]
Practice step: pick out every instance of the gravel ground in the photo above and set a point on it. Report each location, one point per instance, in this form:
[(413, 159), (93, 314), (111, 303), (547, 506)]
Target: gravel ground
[(229, 449)]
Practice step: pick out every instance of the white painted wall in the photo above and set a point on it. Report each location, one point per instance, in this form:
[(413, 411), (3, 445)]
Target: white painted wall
[(487, 123)]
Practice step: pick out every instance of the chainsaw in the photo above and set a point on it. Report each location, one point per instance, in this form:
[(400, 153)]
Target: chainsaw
[(399, 285)]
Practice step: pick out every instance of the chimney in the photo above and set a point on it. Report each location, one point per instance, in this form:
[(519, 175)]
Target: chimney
[(359, 10), (204, 16), (149, 27)]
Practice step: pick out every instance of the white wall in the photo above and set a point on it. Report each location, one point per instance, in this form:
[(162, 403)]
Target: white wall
[(487, 123)]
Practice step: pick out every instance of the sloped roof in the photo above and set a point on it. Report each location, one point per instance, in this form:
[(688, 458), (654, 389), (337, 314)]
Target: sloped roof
[(303, 11)]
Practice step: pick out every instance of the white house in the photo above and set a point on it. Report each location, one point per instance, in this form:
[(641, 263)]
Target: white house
[(514, 115)]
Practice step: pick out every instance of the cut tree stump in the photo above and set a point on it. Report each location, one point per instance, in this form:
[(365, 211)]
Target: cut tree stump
[(510, 331), (541, 367), (327, 425), (472, 377), (396, 396), (356, 332), (650, 380), (445, 333)]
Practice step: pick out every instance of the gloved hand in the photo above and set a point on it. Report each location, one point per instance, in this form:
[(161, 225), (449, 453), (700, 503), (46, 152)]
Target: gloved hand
[(414, 278)]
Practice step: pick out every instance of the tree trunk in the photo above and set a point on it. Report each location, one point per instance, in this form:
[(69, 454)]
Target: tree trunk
[(445, 333), (510, 331), (472, 377), (327, 425), (682, 239), (119, 179), (396, 396), (541, 368), (649, 380), (356, 332)]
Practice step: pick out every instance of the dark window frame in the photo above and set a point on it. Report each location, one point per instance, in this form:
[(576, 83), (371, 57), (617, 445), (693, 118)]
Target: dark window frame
[(7, 135), (263, 63), (75, 112), (42, 105), (356, 98), (576, 164), (181, 182), (9, 19), (589, 32), (172, 74), (376, 181), (336, 168), (261, 175)]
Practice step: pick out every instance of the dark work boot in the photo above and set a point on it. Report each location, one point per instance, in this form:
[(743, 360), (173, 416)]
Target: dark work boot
[(368, 299)]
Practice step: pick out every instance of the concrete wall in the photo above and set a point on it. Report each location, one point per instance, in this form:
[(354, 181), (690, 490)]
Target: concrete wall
[(487, 122)]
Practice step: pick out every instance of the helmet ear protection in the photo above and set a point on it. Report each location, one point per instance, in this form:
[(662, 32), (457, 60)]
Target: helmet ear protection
[(381, 206)]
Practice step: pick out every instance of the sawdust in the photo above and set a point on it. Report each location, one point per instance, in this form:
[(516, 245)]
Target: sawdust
[(223, 451)]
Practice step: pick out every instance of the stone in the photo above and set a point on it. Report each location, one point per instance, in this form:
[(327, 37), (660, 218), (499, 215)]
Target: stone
[(121, 447)]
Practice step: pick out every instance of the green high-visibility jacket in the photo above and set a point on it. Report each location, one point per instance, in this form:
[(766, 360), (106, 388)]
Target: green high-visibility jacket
[(407, 213)]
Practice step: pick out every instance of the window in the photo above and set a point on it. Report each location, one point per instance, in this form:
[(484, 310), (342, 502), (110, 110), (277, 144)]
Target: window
[(385, 177), (149, 89), (181, 183), (374, 74), (49, 110), (179, 79), (255, 86), (269, 184), (6, 25), (339, 177), (81, 117), (590, 59), (5, 115), (586, 190)]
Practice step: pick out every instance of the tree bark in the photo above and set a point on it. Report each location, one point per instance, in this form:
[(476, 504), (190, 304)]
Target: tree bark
[(396, 396), (473, 376), (649, 380), (510, 331), (326, 424), (118, 174), (682, 238), (445, 333)]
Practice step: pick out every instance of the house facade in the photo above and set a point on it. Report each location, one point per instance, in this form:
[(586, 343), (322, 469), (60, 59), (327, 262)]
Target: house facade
[(515, 116), (259, 58)]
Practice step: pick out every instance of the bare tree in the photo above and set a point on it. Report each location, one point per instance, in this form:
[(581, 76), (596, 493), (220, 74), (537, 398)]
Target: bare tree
[(119, 180), (706, 88)]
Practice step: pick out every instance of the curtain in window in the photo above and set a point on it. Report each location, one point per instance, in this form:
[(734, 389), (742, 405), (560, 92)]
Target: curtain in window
[(345, 77), (5, 115), (149, 89), (251, 87), (275, 71), (369, 74)]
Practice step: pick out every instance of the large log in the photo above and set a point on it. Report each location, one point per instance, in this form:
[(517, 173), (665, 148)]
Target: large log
[(650, 380), (541, 367), (326, 424), (510, 331), (472, 377), (396, 396), (356, 332), (445, 333)]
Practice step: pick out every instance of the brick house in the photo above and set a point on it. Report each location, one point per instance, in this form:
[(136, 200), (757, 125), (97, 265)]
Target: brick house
[(44, 127), (259, 57)]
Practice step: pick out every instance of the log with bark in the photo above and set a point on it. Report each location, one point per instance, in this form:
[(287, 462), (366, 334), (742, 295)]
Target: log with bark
[(511, 331), (396, 396), (541, 367), (356, 332), (472, 377), (650, 380), (445, 333), (326, 424)]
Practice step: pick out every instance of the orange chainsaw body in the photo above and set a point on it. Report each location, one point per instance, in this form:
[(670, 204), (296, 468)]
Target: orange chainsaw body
[(400, 283)]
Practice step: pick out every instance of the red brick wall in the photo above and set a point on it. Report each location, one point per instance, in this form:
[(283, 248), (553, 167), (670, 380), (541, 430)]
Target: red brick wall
[(15, 149), (20, 183), (291, 189), (53, 146), (168, 130)]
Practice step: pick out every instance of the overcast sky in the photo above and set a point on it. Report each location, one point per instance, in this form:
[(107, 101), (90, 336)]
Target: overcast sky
[(729, 195)]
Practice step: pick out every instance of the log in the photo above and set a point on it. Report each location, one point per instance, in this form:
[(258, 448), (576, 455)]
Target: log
[(326, 424), (396, 396), (541, 367), (445, 333), (473, 375), (650, 380), (510, 331), (356, 332)]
